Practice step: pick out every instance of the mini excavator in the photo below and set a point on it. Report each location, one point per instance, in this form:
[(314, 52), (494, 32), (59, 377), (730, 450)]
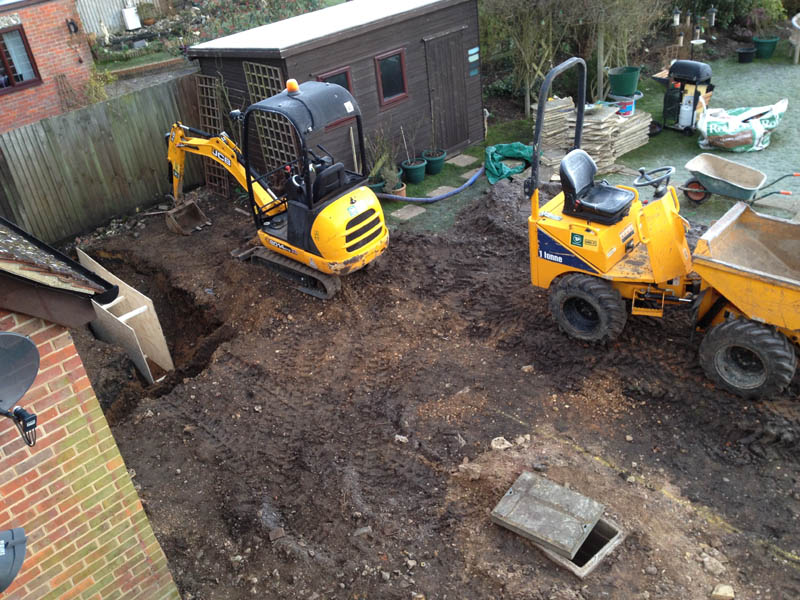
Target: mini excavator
[(315, 220)]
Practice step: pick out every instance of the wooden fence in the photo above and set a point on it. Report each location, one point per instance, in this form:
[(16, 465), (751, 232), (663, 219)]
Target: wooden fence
[(68, 174)]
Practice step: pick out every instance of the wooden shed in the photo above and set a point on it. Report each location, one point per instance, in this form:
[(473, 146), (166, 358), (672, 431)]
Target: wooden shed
[(414, 64)]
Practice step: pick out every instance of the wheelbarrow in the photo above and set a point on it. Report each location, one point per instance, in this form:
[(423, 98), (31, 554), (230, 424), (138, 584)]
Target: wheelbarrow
[(713, 174)]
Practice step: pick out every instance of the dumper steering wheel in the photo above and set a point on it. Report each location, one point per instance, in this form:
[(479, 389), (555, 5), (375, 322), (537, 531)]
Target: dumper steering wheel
[(655, 177)]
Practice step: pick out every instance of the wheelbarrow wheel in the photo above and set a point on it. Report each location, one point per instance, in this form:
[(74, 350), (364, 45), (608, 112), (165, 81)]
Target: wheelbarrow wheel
[(747, 358), (587, 308), (695, 191)]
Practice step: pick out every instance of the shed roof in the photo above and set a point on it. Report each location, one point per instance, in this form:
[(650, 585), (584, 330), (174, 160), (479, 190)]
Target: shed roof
[(25, 257), (307, 31)]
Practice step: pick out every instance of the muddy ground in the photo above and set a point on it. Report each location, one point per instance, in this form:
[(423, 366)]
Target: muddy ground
[(341, 449)]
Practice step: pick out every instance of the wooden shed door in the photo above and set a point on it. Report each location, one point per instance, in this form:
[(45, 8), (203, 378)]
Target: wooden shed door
[(446, 62)]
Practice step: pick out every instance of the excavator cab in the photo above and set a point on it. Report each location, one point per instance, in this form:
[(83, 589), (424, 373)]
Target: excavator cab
[(315, 218)]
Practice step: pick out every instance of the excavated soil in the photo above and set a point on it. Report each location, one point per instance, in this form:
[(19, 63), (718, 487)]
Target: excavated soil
[(341, 449)]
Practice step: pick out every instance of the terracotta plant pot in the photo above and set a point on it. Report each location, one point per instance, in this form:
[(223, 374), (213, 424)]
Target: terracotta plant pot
[(400, 190)]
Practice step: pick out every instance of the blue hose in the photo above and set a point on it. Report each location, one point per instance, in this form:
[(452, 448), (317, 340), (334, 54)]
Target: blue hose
[(458, 190)]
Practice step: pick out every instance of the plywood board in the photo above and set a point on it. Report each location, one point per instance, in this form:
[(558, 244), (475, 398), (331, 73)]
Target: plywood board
[(109, 328), (144, 323)]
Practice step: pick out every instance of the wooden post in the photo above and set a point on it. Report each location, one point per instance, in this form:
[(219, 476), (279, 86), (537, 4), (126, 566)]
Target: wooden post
[(600, 60)]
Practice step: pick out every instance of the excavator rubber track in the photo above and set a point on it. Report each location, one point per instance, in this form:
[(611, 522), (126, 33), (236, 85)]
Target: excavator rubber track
[(310, 281)]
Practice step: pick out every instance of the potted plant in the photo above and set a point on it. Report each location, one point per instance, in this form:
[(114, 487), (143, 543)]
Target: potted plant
[(392, 183), (381, 155), (435, 155), (413, 166), (147, 12), (764, 19)]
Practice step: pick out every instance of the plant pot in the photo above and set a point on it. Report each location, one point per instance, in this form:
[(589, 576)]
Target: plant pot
[(435, 160), (414, 170), (746, 54), (400, 190), (376, 187), (149, 21), (765, 46), (623, 80)]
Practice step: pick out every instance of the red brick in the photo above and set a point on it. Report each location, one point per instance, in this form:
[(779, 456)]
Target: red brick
[(57, 357)]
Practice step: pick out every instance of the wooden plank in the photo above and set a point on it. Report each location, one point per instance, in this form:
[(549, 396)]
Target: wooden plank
[(109, 328), (148, 329)]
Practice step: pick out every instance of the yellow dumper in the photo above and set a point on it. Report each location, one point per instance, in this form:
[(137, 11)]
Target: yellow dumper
[(595, 246)]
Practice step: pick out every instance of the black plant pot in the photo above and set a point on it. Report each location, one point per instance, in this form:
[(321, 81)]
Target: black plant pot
[(746, 55)]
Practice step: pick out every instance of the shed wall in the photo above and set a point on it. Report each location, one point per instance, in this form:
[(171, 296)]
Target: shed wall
[(358, 52)]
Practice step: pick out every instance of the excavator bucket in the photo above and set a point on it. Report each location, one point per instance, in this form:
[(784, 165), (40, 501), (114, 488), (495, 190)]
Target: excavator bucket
[(186, 218)]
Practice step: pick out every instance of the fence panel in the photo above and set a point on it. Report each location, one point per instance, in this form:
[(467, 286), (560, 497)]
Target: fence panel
[(68, 174)]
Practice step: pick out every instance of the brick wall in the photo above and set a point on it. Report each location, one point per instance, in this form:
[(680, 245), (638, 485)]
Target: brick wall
[(55, 52), (88, 536)]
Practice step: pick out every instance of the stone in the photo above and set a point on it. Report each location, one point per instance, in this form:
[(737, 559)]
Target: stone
[(722, 591), (401, 439), (411, 563), (462, 160), (472, 471), (408, 212), (362, 531), (440, 191), (500, 443), (469, 174), (527, 369), (628, 438), (276, 533), (385, 575), (713, 566), (651, 570)]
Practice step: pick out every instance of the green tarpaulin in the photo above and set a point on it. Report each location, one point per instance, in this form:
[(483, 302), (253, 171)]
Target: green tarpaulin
[(497, 170)]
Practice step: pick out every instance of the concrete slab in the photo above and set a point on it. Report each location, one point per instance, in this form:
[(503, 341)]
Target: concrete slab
[(442, 189), (549, 514), (462, 160), (469, 174), (408, 212)]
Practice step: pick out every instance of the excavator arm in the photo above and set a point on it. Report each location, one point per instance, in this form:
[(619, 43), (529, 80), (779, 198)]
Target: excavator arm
[(221, 149)]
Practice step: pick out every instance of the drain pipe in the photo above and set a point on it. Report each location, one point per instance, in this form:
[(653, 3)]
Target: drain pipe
[(458, 190)]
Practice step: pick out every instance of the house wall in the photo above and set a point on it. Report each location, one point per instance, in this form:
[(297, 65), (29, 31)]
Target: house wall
[(55, 52), (88, 535), (358, 51)]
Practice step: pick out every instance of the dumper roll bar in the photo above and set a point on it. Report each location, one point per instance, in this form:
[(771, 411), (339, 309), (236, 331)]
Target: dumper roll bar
[(532, 183)]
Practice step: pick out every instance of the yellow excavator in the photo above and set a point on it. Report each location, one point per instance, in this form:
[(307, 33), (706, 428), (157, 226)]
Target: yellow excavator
[(315, 219), (605, 251)]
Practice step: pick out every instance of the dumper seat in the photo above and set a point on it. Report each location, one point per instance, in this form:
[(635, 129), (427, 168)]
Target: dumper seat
[(584, 198)]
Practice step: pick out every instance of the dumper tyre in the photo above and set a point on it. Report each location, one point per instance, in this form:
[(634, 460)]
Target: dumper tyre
[(747, 358), (587, 308)]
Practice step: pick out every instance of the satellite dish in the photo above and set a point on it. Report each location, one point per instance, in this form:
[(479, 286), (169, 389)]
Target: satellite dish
[(12, 555), (19, 365)]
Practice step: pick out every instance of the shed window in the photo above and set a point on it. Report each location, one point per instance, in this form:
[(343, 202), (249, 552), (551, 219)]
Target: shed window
[(17, 67), (391, 73), (340, 77)]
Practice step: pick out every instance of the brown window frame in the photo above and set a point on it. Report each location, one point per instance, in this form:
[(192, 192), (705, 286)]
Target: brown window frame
[(331, 73), (386, 102), (13, 86), (340, 70)]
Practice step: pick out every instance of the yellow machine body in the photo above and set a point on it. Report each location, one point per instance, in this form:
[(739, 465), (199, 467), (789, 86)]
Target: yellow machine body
[(644, 252), (349, 232)]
